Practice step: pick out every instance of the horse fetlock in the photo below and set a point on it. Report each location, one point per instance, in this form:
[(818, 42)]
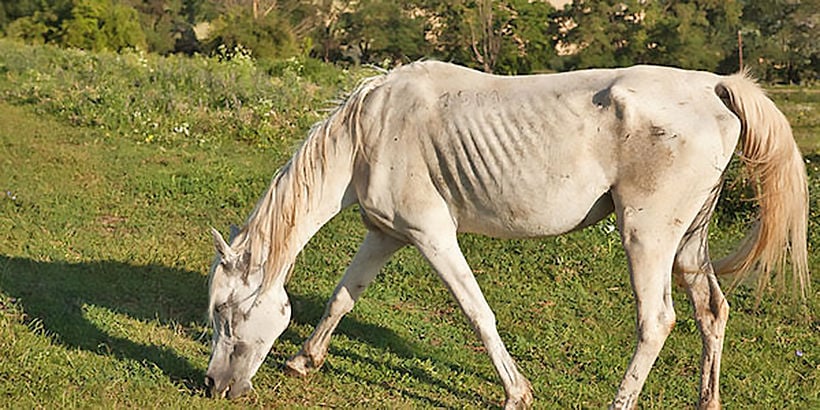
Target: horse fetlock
[(627, 402), (522, 400), (240, 389), (711, 404), (517, 403), (301, 364), (297, 366)]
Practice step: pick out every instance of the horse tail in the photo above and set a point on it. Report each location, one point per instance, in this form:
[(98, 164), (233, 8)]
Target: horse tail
[(777, 175)]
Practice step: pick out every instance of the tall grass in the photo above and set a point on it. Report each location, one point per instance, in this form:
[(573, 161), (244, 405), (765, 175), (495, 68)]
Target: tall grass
[(171, 100)]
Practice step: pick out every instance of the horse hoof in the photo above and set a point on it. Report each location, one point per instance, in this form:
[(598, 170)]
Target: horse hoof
[(296, 366), (515, 404), (519, 403)]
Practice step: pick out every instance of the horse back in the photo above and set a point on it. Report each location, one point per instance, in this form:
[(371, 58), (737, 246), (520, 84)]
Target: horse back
[(534, 155)]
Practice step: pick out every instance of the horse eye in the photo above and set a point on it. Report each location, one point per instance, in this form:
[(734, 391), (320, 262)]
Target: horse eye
[(222, 308), (226, 328), (223, 322)]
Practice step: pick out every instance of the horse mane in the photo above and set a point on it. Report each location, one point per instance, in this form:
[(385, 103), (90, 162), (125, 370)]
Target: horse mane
[(267, 236)]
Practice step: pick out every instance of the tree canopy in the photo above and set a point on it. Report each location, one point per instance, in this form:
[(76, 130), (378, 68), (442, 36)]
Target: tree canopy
[(503, 36)]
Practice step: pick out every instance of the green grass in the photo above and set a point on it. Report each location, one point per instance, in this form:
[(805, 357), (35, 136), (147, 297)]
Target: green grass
[(801, 107), (104, 247)]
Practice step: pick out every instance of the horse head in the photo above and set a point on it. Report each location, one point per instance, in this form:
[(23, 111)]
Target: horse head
[(246, 316)]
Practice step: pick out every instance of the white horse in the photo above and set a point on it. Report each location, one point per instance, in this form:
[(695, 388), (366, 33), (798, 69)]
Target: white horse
[(432, 149)]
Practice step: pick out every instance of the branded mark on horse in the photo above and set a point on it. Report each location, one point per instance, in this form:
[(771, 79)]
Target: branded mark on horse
[(431, 149)]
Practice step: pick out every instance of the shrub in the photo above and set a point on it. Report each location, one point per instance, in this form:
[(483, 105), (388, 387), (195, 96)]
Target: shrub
[(170, 100), (103, 25), (267, 37)]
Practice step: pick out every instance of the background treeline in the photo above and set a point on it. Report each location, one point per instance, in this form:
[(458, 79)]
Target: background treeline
[(507, 36)]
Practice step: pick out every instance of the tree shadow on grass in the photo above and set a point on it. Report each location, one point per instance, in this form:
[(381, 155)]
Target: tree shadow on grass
[(56, 294)]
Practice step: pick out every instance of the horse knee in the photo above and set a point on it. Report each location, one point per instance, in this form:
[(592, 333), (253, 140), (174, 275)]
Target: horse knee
[(720, 307), (656, 329), (480, 319), (341, 303)]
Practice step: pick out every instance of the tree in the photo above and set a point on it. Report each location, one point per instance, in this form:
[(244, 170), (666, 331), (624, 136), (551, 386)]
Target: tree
[(379, 30), (485, 36), (34, 21), (163, 22), (530, 48), (496, 36), (11, 10), (600, 34), (780, 39), (325, 29), (102, 25), (694, 34), (690, 34), (268, 37), (33, 29)]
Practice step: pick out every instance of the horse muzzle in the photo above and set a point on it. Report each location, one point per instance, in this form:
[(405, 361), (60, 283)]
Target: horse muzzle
[(219, 389)]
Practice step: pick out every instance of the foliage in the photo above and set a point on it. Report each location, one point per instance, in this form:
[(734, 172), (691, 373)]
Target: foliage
[(382, 30), (267, 37), (165, 25), (532, 39), (618, 33), (502, 36), (494, 36), (31, 29), (173, 100), (35, 21), (102, 25), (86, 24), (780, 38)]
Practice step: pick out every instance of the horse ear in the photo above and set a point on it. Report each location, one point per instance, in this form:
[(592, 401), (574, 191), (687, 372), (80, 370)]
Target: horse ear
[(222, 247)]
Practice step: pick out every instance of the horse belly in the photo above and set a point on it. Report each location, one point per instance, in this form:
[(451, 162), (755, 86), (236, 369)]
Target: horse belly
[(526, 213)]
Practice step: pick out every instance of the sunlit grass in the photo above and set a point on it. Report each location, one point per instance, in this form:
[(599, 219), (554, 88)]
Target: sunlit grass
[(802, 108)]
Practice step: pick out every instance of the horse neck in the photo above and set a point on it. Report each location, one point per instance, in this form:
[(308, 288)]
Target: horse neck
[(304, 195)]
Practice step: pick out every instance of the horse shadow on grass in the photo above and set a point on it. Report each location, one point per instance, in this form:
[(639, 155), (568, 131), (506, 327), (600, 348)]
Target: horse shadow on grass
[(308, 309), (57, 295)]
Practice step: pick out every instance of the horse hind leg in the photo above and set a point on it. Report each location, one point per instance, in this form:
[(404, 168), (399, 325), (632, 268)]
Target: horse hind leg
[(693, 270), (711, 315), (650, 264), (373, 254)]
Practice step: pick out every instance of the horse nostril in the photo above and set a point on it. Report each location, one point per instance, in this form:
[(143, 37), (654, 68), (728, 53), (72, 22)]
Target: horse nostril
[(209, 385)]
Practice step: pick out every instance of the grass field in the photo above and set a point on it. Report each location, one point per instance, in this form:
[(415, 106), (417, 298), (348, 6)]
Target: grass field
[(104, 249)]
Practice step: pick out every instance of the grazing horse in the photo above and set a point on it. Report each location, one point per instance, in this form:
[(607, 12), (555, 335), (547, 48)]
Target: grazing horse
[(431, 149)]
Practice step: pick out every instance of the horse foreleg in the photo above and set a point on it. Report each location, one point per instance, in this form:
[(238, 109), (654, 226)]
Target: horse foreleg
[(374, 252), (711, 314), (443, 253)]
